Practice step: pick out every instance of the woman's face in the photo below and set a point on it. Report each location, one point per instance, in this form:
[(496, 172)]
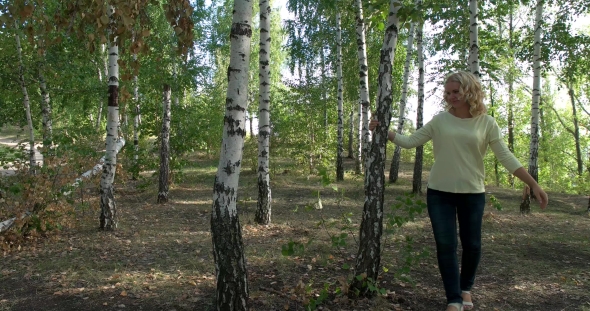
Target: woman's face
[(454, 97)]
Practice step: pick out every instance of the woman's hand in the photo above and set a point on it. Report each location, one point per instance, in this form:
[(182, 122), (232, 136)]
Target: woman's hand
[(541, 196), (373, 124), (538, 192)]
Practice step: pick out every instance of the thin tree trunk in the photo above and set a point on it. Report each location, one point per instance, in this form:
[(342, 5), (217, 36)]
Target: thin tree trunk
[(496, 174), (473, 38), (364, 98), (351, 135), (358, 159), (339, 164), (164, 180), (26, 101), (511, 92), (263, 210), (323, 89), (368, 258), (46, 112), (108, 207), (106, 73), (228, 248), (312, 125), (99, 112), (418, 163), (534, 144), (136, 123), (579, 159), (395, 162)]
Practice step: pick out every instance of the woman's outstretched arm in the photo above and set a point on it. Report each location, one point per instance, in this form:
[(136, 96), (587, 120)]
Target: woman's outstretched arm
[(418, 138)]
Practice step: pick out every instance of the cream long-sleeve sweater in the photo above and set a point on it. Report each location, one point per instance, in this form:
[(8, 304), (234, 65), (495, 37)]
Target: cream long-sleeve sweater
[(459, 148)]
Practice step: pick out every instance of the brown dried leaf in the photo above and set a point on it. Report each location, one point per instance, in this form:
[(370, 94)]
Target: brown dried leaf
[(104, 19)]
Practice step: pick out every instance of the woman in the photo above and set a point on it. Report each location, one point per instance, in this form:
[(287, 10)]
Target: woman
[(460, 137)]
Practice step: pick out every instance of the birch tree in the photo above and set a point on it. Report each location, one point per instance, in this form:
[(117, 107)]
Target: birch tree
[(368, 257), (45, 108), (511, 73), (263, 211), (533, 168), (364, 99), (136, 121), (417, 179), (228, 248), (26, 101), (473, 39), (339, 165), (106, 73), (575, 131), (395, 162), (108, 207), (351, 135), (164, 179)]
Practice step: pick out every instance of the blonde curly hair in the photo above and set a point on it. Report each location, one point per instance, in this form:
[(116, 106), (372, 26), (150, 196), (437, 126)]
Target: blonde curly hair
[(470, 90)]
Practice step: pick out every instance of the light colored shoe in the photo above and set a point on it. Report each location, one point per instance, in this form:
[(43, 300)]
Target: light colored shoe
[(467, 305), (457, 306)]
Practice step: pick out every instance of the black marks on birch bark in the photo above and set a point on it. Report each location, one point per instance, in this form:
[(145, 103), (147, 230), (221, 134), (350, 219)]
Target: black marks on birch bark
[(113, 96), (228, 250)]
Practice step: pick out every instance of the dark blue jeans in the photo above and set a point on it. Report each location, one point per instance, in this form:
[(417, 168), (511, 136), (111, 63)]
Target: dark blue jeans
[(444, 209)]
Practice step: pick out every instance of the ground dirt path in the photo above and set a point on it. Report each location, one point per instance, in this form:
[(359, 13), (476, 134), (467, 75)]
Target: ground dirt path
[(160, 257), (13, 141)]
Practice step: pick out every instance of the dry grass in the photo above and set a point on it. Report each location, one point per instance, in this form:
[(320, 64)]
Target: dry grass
[(160, 256)]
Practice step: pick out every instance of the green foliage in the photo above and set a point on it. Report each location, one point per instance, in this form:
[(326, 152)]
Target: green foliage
[(292, 249), (8, 154), (495, 203), (405, 210)]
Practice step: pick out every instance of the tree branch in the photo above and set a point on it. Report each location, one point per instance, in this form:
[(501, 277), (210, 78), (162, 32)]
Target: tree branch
[(561, 121), (581, 106)]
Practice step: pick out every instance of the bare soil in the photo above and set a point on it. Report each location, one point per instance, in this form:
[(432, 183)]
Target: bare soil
[(160, 257)]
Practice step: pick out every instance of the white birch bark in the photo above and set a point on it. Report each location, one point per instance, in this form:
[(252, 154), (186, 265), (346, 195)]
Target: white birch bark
[(26, 101), (358, 159), (339, 156), (163, 184), (263, 211), (228, 247), (108, 207), (106, 73), (394, 170), (364, 98), (368, 258), (473, 39), (533, 168), (419, 155), (97, 168)]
